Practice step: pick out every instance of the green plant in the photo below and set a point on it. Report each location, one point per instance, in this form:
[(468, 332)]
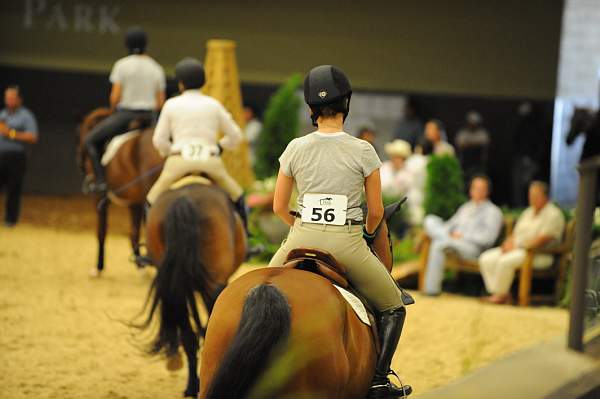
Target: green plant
[(403, 250), (259, 238), (444, 186), (280, 126)]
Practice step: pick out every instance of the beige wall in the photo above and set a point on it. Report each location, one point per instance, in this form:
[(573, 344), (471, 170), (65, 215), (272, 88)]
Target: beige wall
[(489, 48)]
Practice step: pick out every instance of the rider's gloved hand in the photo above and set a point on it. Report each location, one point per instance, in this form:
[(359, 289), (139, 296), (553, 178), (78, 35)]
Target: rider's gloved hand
[(369, 237)]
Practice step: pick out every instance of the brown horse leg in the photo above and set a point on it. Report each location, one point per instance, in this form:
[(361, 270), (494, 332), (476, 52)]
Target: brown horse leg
[(102, 212), (136, 212), (190, 345)]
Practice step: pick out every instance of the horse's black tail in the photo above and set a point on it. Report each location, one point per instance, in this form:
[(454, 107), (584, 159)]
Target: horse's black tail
[(264, 326), (179, 275)]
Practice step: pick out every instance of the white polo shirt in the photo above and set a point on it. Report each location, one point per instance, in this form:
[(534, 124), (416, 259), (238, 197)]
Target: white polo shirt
[(140, 78), (549, 221), (193, 116)]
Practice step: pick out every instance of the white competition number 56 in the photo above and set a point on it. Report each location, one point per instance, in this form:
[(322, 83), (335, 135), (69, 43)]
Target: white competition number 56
[(324, 209)]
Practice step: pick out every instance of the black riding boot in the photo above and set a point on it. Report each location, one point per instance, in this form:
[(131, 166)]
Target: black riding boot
[(242, 209), (99, 184), (390, 329)]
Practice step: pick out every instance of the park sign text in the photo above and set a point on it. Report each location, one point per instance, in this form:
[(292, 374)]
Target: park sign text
[(78, 17)]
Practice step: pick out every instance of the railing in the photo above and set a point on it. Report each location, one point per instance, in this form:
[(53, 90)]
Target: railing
[(586, 202)]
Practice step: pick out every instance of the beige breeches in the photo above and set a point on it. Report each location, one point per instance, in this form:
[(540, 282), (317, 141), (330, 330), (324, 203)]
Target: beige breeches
[(364, 271), (176, 167)]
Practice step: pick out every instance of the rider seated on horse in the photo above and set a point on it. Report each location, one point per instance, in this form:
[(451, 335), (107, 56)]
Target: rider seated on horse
[(330, 168), (138, 91), (187, 131)]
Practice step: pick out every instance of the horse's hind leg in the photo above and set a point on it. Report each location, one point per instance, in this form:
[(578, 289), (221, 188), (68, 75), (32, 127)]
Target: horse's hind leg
[(190, 345), (137, 212)]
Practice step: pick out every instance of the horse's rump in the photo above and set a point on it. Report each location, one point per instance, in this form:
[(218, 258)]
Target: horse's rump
[(197, 241), (222, 241), (330, 352)]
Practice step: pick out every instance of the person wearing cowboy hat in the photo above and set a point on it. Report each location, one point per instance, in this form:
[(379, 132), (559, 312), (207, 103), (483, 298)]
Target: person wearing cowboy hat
[(395, 178)]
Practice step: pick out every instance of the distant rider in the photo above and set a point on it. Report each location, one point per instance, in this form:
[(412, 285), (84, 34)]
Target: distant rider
[(138, 91), (187, 133)]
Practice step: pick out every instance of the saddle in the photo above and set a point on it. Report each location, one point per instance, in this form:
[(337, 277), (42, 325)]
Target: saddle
[(115, 144), (319, 262), (192, 178), (324, 264)]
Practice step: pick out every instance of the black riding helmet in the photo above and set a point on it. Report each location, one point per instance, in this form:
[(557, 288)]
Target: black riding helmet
[(136, 40), (327, 85), (190, 72)]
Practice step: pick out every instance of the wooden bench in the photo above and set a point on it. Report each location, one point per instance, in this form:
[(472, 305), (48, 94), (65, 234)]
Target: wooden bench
[(527, 273), (453, 260)]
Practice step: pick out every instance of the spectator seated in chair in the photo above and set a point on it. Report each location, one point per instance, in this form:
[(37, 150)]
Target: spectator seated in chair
[(395, 177), (472, 229), (540, 225)]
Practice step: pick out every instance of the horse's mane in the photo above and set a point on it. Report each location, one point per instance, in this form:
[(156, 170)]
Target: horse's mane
[(585, 121)]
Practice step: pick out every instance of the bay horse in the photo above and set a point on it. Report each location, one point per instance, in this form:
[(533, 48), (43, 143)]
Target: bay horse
[(281, 331), (197, 240), (129, 175), (587, 122)]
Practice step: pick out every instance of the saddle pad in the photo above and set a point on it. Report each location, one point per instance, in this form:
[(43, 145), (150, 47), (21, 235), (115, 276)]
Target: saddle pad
[(187, 180), (113, 146), (356, 304)]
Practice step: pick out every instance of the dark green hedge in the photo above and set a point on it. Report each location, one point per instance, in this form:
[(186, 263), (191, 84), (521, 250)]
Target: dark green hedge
[(444, 186), (280, 126)]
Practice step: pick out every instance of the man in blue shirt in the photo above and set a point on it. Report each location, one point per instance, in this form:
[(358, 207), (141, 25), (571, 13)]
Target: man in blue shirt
[(473, 228), (17, 128)]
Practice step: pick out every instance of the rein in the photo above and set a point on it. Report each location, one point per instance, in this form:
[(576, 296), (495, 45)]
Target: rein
[(148, 173)]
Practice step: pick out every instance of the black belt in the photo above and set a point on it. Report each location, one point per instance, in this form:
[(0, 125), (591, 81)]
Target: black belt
[(351, 221), (137, 111)]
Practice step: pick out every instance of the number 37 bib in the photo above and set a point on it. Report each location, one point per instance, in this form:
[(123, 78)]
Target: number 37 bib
[(197, 151), (324, 209)]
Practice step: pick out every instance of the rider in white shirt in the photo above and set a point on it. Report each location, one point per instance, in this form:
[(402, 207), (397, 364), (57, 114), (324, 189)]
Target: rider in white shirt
[(187, 134)]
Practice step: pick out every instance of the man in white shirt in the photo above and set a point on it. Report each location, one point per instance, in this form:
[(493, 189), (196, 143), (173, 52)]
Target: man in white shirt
[(138, 91), (187, 133), (540, 225)]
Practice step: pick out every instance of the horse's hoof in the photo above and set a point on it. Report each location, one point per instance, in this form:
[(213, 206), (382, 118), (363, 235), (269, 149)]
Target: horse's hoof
[(191, 392), (142, 261), (174, 363), (95, 273)]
